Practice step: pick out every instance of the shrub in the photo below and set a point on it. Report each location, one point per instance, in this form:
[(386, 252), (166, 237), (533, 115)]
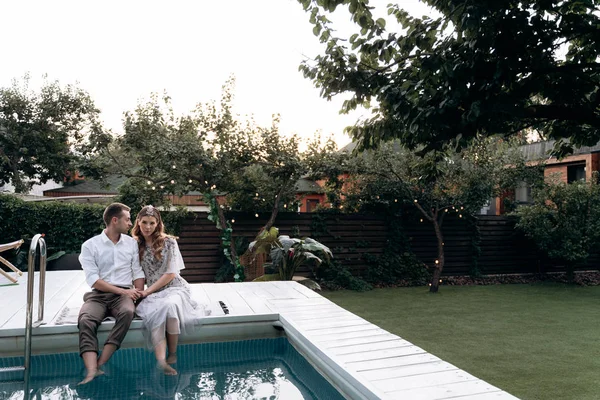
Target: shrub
[(332, 275)]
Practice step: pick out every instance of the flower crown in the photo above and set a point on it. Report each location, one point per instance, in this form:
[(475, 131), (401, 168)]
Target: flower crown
[(150, 211)]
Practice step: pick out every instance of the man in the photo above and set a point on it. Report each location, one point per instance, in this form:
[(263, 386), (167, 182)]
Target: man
[(111, 264)]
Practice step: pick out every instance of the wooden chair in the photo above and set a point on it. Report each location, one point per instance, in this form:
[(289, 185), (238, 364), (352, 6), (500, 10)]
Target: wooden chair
[(8, 246)]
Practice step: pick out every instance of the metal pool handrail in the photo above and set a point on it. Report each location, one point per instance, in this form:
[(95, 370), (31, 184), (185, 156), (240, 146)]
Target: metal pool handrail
[(37, 240)]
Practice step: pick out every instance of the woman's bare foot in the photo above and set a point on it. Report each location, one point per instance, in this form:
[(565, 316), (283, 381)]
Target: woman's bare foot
[(166, 368), (90, 376), (172, 359)]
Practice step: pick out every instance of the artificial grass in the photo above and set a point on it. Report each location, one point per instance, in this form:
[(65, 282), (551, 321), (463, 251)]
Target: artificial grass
[(539, 341)]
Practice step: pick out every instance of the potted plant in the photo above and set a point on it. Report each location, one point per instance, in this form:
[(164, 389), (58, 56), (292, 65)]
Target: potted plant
[(287, 254)]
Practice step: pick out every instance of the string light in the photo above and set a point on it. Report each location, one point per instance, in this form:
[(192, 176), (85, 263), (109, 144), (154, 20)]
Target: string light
[(153, 188), (461, 207), (421, 219), (233, 221), (395, 200), (149, 182), (190, 181), (459, 215), (206, 182), (446, 210), (416, 201), (256, 215), (437, 261), (256, 195), (172, 181), (285, 206), (174, 167), (162, 186)]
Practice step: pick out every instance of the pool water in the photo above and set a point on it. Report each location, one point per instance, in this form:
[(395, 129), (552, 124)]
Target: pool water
[(252, 369)]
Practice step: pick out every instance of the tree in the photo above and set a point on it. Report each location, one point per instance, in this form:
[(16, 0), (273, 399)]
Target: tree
[(39, 132), (483, 67), (252, 168), (564, 220), (459, 183)]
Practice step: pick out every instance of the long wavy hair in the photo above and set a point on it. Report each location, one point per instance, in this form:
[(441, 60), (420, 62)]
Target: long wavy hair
[(158, 236)]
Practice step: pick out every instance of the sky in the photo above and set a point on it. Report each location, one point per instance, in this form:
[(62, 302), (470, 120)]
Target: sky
[(121, 51)]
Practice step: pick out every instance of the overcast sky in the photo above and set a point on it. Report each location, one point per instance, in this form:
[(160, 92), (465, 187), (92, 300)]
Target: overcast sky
[(121, 51)]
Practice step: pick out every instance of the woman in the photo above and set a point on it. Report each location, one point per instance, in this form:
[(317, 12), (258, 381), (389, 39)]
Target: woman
[(167, 308)]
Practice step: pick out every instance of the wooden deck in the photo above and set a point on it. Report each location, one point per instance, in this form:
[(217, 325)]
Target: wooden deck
[(363, 360)]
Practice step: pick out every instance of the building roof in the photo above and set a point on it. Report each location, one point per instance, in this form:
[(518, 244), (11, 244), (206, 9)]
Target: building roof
[(532, 151), (541, 150), (109, 186)]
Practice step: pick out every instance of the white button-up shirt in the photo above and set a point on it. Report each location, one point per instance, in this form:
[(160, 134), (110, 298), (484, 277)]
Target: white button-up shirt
[(117, 264)]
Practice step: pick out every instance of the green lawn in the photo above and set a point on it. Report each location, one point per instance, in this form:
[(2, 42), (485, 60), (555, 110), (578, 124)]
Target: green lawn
[(538, 341)]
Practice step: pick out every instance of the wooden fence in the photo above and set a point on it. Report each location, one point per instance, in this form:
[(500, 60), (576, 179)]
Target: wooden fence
[(503, 250)]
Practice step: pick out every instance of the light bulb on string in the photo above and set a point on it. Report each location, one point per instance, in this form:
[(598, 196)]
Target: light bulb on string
[(172, 182), (256, 215), (233, 221)]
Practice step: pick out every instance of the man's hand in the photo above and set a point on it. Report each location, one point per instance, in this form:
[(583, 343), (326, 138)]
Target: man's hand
[(133, 294)]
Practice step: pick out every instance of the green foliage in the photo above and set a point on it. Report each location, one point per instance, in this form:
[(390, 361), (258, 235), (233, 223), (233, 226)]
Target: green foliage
[(226, 239), (474, 270), (136, 193), (173, 219), (397, 264), (227, 270), (207, 151), (334, 276), (564, 220), (65, 225), (41, 132), (287, 254), (394, 178), (483, 67)]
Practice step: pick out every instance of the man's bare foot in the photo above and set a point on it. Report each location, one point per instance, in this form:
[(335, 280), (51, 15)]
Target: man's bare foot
[(172, 359), (90, 376), (166, 368)]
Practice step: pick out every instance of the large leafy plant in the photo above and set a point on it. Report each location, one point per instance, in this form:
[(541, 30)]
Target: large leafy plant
[(287, 254)]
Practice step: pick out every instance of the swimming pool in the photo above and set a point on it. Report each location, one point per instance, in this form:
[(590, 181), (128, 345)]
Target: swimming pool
[(250, 369)]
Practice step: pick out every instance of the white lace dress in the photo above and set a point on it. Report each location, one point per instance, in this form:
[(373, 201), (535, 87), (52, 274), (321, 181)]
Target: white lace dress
[(173, 300)]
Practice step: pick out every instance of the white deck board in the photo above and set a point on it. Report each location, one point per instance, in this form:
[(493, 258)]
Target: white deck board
[(383, 364)]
